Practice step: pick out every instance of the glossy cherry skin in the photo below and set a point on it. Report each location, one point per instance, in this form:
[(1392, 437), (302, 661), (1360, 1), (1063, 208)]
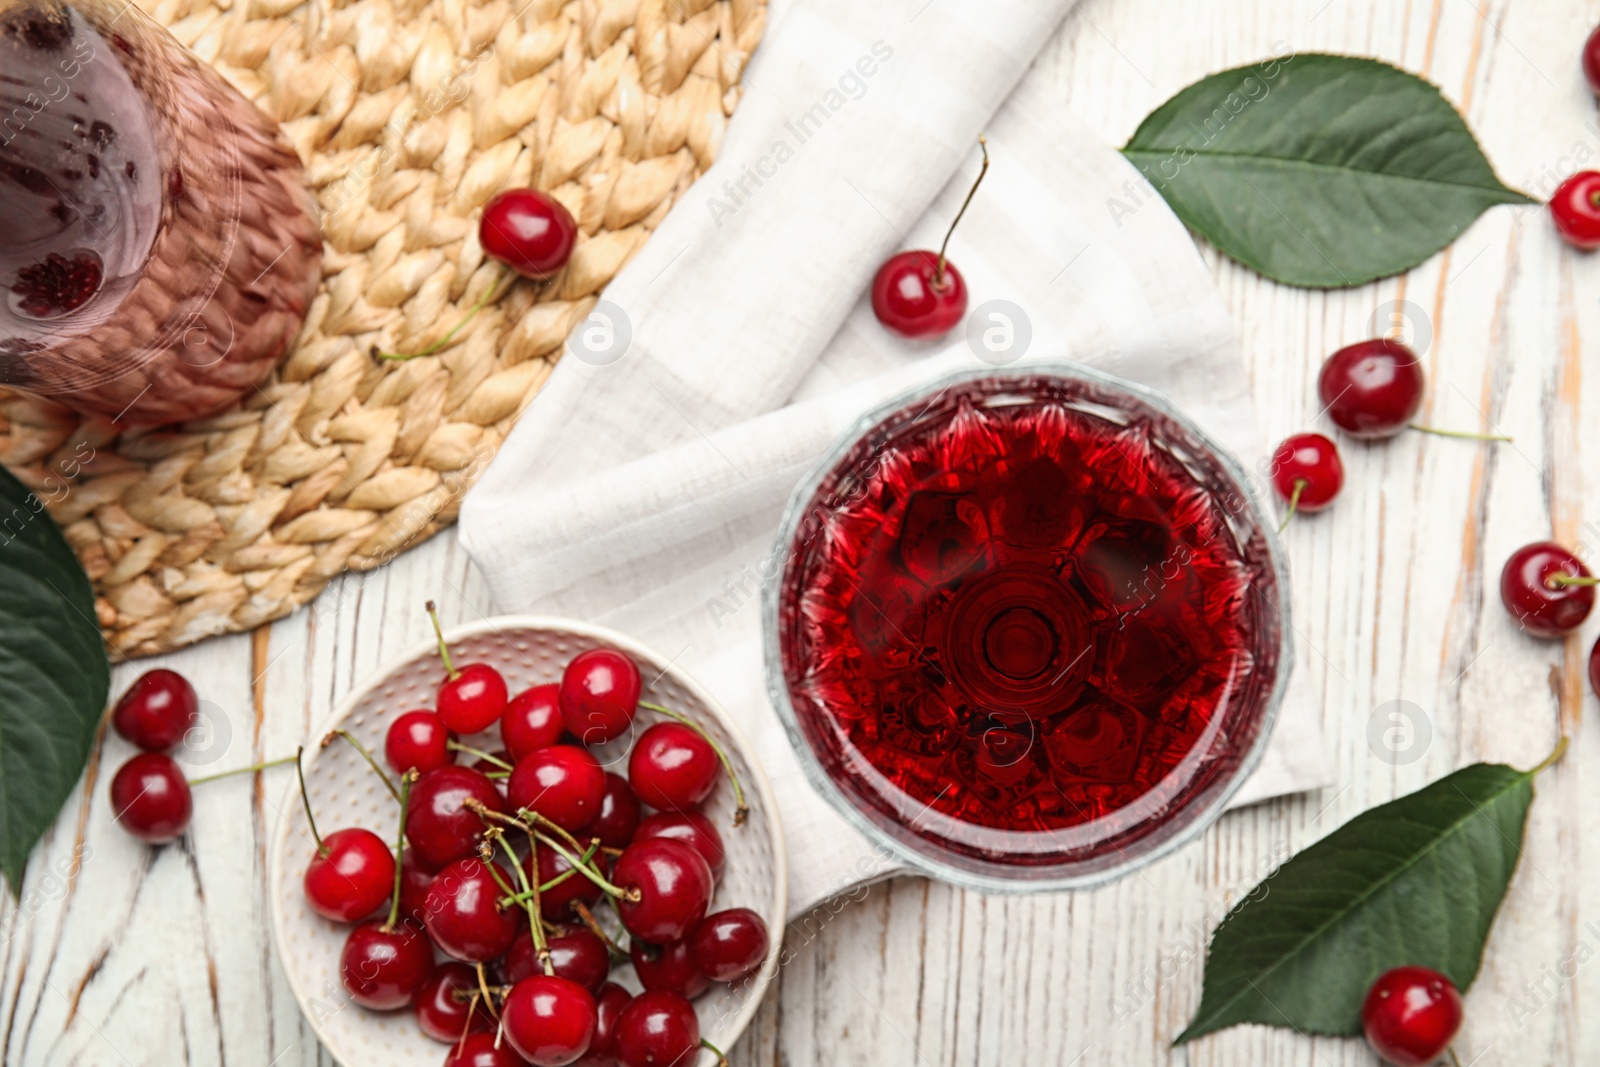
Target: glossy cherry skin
[(1591, 61), (150, 798), (417, 741), (473, 700), (439, 825), (658, 1029), (441, 1014), (609, 1003), (728, 945), (670, 967), (674, 882), (1411, 1015), (464, 916), (911, 299), (1575, 209), (672, 767), (532, 720), (351, 876), (564, 783), (1371, 389), (414, 882), (1539, 604), (555, 903), (1312, 458), (157, 710), (479, 1050), (619, 813), (528, 231), (1594, 668), (600, 695), (692, 828), (577, 955), (383, 969), (549, 1020)]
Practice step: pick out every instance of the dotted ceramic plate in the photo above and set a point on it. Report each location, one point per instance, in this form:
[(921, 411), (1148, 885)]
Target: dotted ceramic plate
[(344, 792)]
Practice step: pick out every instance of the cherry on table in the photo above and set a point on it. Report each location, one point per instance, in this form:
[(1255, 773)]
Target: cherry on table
[(464, 916), (728, 945), (350, 876), (483, 1050), (673, 884), (691, 828), (564, 783), (658, 1029), (150, 798), (417, 740), (1371, 389), (1410, 1015), (382, 967), (673, 767), (1547, 589), (555, 903), (1307, 472), (1575, 210), (600, 695), (670, 967), (157, 710), (439, 825), (532, 720), (549, 1020), (444, 1015), (609, 1003), (619, 813), (529, 231)]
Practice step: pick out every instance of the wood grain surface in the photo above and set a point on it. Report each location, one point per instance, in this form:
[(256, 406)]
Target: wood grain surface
[(119, 954)]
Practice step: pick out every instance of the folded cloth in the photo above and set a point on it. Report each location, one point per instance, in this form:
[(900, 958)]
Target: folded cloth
[(643, 487)]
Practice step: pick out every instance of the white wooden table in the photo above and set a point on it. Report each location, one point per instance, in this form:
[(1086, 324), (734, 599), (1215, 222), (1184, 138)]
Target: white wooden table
[(162, 956)]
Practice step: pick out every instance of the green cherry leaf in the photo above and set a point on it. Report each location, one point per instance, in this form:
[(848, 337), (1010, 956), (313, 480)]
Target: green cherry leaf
[(1415, 881), (1319, 170), (54, 674)]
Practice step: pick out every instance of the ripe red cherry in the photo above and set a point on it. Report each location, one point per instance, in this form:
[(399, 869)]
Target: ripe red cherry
[(913, 297), (619, 813), (383, 968), (1547, 589), (578, 955), (443, 1015), (728, 945), (564, 783), (439, 825), (417, 741), (1591, 61), (691, 828), (480, 1050), (472, 699), (549, 1020), (670, 967), (555, 903), (528, 231), (673, 767), (1371, 389), (658, 1029), (532, 720), (609, 1003), (414, 883), (600, 695), (1575, 209), (1307, 471), (1411, 1015), (157, 710), (1594, 668), (674, 884), (350, 876), (150, 798), (464, 916)]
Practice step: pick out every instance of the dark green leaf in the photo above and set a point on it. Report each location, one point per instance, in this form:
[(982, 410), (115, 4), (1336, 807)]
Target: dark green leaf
[(1318, 170), (54, 675), (1415, 881)]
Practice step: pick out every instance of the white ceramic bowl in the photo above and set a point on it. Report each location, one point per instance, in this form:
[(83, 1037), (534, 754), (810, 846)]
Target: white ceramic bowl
[(344, 792)]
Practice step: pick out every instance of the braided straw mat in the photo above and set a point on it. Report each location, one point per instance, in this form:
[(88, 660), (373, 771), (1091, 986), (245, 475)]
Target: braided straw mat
[(341, 461)]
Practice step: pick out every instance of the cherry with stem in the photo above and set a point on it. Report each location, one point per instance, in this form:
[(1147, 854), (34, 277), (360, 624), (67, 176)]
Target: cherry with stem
[(938, 271), (393, 921), (586, 917), (305, 800), (741, 810)]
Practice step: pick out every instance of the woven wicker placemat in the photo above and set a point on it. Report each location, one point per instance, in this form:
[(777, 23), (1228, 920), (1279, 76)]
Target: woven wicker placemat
[(408, 116)]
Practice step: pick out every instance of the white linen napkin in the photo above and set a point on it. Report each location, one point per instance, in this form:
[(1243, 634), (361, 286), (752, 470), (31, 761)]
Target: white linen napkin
[(643, 486)]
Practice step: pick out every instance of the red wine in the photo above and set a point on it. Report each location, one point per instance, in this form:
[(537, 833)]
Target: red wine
[(1025, 611)]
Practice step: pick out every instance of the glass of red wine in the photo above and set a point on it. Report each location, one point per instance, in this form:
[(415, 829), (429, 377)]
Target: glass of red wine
[(1031, 629)]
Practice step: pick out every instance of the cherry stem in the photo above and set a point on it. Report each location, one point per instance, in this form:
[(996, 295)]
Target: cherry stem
[(1465, 435), (630, 895), (938, 271), (741, 810), (1555, 755), (444, 649), (246, 770), (456, 746), (1560, 581), (563, 876), (722, 1060), (1294, 503), (530, 886), (305, 799), (586, 917), (483, 987), (488, 815), (441, 342), (1454, 1059), (359, 747), (399, 850)]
